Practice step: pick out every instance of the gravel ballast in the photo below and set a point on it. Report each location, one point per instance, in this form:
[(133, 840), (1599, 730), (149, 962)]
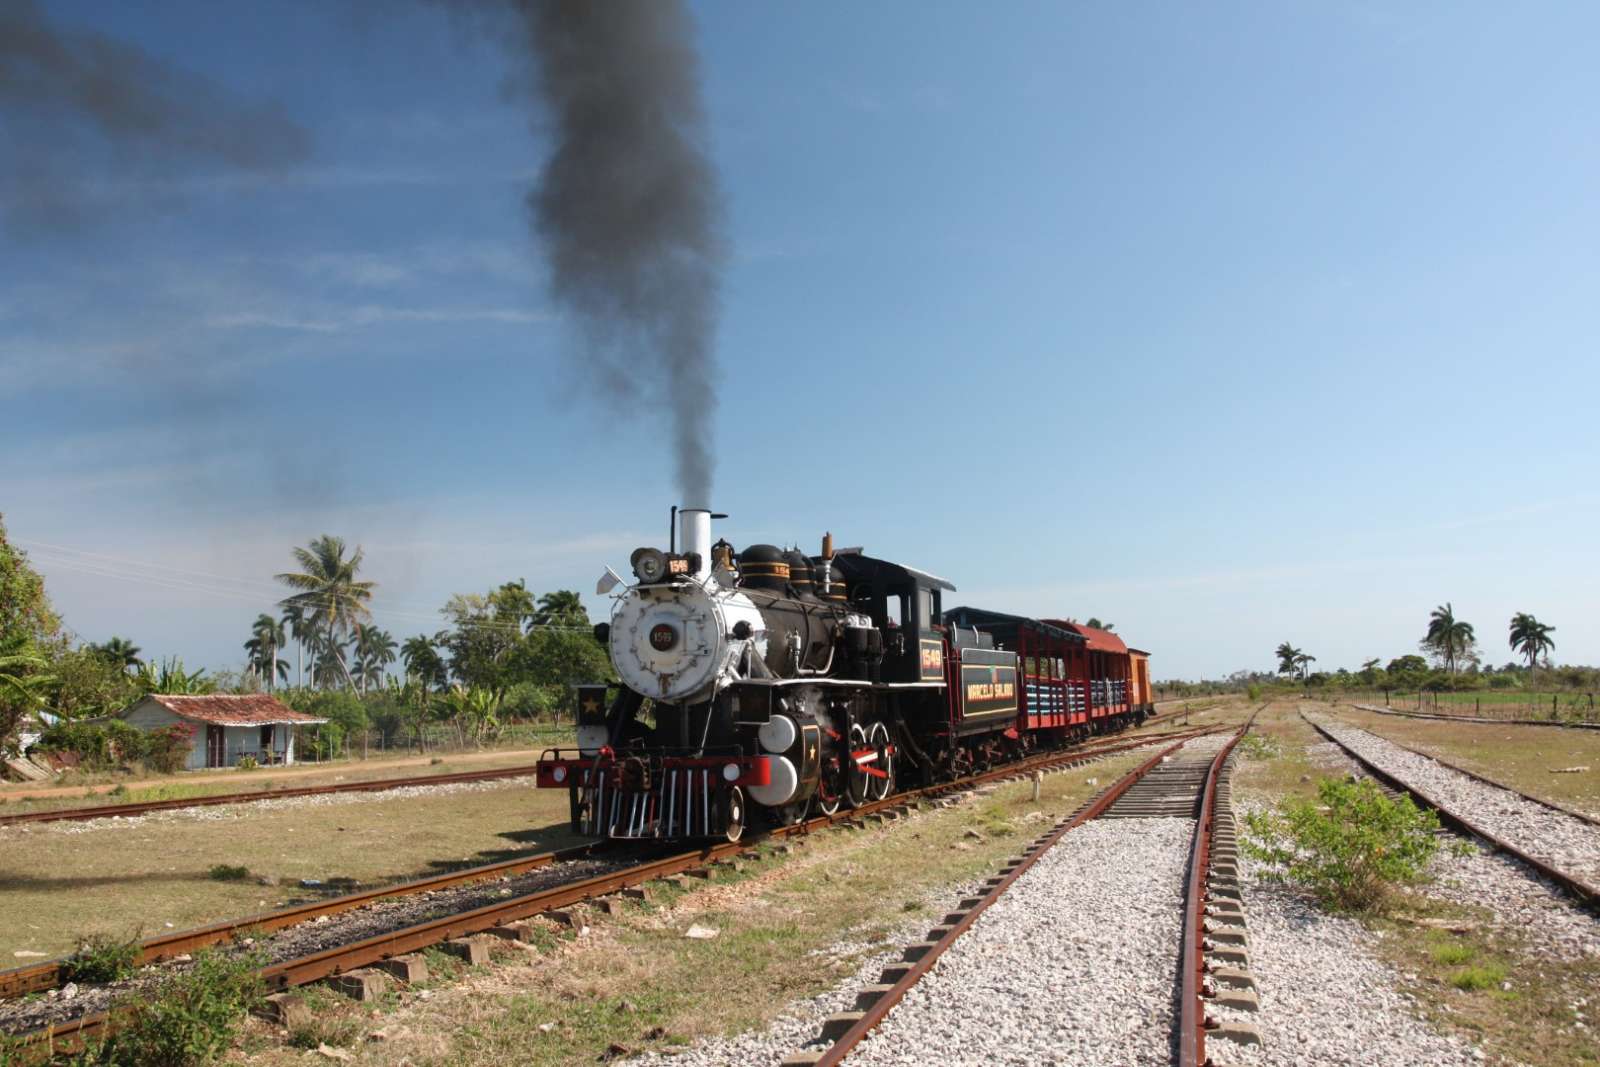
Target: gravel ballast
[(1092, 930), (1326, 997), (1564, 841)]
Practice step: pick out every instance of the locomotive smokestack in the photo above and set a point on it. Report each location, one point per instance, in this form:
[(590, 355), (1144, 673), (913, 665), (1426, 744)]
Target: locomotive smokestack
[(694, 535), (628, 206)]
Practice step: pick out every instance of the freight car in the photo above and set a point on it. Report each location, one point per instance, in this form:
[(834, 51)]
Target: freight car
[(768, 684)]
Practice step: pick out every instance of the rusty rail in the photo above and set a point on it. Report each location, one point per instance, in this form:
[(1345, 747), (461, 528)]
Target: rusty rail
[(377, 785), (880, 1008), (50, 974), (1191, 1005), (1584, 892), (70, 1034)]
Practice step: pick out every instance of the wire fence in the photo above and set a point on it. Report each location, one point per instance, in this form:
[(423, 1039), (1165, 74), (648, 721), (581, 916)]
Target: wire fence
[(1501, 705)]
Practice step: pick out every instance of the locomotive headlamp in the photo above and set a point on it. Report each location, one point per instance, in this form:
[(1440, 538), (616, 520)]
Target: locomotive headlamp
[(649, 564), (559, 775)]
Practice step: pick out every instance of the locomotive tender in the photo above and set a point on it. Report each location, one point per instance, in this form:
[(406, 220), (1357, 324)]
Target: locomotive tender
[(777, 683)]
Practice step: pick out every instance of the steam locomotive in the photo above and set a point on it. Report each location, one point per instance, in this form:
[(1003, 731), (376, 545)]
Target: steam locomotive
[(767, 684)]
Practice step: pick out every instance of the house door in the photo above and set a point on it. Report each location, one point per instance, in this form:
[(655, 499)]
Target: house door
[(216, 746), (266, 744)]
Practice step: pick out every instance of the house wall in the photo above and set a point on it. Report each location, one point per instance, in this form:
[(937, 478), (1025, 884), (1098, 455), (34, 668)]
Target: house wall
[(148, 715)]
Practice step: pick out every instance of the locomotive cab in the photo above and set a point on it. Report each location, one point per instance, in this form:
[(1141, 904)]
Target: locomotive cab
[(904, 606)]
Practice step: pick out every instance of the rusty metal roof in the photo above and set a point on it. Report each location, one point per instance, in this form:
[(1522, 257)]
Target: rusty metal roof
[(1098, 640), (225, 709)]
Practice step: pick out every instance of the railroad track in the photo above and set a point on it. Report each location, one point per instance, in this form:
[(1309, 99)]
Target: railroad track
[(1166, 784), (108, 811), (69, 1034), (1580, 888)]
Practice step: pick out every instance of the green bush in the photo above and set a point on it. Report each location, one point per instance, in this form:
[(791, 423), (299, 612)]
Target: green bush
[(1350, 847), (1253, 692), (189, 1018), (98, 746), (100, 959), (224, 872), (246, 763)]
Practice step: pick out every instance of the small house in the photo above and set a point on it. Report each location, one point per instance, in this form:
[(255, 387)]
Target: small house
[(227, 727)]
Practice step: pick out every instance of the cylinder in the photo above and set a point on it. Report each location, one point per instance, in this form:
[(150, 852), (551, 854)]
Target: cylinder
[(694, 536)]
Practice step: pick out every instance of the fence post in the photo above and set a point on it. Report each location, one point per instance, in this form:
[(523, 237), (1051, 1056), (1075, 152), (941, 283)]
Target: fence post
[(1477, 705)]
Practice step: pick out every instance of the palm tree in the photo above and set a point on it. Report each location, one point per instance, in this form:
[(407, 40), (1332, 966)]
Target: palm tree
[(423, 661), (300, 628), (1287, 658), (1448, 636), (329, 594), (1304, 662), (1531, 638), (121, 651), (560, 608), (374, 651), (1098, 625), (267, 634)]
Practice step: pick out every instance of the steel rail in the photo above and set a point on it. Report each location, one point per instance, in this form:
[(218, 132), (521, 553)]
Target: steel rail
[(1191, 968), (1552, 805), (108, 811), (1584, 892), (51, 974), (377, 785), (880, 1008), (70, 1034)]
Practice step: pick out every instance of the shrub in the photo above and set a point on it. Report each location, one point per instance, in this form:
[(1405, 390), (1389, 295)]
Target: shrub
[(189, 1018), (224, 872), (97, 745), (246, 763), (100, 959), (1253, 692), (167, 748), (1350, 847)]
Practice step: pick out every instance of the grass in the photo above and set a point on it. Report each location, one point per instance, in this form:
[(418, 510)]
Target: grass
[(100, 959), (788, 927), (62, 882), (1523, 757), (1458, 965)]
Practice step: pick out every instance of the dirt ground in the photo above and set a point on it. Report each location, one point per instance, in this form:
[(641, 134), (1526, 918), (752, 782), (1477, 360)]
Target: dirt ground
[(1523, 757), (59, 881)]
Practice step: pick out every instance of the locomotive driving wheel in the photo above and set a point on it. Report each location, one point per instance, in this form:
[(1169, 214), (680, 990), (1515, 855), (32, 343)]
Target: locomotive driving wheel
[(736, 813), (880, 787), (857, 782)]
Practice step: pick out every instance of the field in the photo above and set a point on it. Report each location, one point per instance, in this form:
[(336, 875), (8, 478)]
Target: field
[(1489, 703), (88, 790), (60, 881)]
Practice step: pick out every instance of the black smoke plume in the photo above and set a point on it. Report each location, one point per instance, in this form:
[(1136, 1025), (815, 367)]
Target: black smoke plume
[(88, 121), (627, 205)]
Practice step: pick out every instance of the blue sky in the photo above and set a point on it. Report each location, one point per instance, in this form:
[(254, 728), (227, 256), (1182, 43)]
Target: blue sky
[(1234, 325)]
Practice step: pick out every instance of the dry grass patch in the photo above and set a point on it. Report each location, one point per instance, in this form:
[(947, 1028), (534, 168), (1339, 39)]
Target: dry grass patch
[(1482, 981), (1522, 757), (60, 883), (787, 927)]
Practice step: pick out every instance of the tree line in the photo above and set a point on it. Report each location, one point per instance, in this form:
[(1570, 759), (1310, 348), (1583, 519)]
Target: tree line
[(1451, 642), (503, 655)]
